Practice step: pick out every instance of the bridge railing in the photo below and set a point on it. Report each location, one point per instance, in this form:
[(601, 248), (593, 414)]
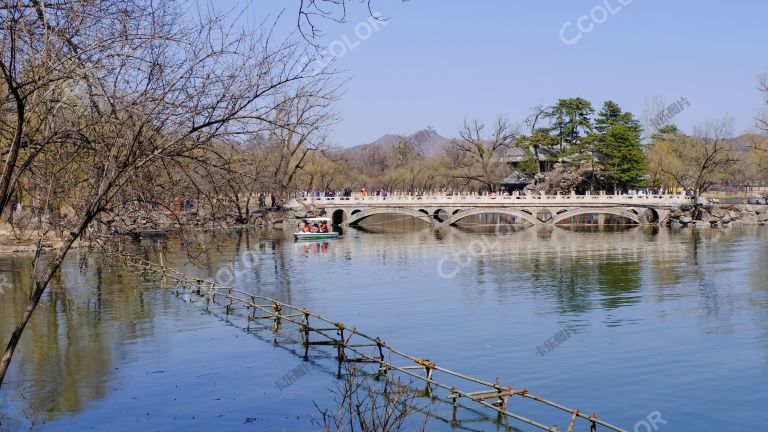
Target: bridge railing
[(442, 200)]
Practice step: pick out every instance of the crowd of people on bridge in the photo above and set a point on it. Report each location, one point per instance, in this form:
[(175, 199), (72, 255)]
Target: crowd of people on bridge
[(346, 192), (383, 193)]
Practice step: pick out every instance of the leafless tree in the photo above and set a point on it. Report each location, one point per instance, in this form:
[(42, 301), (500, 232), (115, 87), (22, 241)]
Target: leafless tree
[(363, 405), (402, 153), (312, 11), (301, 123), (230, 178), (536, 140), (143, 92), (699, 161), (758, 158), (373, 161), (479, 156), (44, 47), (762, 121), (652, 111)]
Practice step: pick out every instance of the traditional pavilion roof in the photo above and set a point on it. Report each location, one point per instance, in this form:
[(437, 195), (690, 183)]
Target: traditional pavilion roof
[(517, 178)]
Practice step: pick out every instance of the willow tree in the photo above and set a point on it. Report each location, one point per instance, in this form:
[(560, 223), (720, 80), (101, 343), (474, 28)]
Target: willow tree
[(113, 98), (696, 162)]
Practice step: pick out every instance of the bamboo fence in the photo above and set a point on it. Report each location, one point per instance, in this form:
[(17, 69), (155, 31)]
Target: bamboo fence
[(353, 346)]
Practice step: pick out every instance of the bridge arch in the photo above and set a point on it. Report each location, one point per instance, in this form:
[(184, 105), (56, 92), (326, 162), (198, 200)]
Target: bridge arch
[(652, 215), (338, 216), (441, 215), (611, 211), (544, 214), (512, 212), (357, 216)]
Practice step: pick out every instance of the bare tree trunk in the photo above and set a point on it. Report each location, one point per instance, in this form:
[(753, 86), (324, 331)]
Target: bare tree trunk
[(110, 156), (13, 153), (40, 285)]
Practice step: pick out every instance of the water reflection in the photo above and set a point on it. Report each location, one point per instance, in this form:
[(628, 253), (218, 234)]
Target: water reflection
[(313, 247), (98, 317), (69, 348)]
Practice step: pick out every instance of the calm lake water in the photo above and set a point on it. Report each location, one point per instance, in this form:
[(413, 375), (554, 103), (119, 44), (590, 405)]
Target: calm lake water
[(663, 321)]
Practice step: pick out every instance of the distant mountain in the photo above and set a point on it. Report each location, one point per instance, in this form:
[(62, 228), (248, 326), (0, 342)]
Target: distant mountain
[(426, 142)]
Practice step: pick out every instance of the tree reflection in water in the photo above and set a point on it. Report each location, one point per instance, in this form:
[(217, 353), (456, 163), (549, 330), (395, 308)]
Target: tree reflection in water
[(75, 343), (69, 349)]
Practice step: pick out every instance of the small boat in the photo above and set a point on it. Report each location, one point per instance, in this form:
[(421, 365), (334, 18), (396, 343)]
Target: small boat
[(330, 234)]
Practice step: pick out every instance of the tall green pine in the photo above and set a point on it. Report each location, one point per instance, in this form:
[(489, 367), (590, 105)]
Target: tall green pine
[(619, 148), (570, 118)]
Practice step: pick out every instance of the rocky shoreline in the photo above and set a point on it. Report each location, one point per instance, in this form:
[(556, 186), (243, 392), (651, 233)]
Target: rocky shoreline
[(719, 215)]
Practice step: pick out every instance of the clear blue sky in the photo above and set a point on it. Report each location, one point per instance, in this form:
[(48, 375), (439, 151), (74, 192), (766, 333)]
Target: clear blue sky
[(438, 62)]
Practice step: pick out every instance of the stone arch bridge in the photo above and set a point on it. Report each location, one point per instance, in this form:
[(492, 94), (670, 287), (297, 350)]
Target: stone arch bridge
[(446, 210)]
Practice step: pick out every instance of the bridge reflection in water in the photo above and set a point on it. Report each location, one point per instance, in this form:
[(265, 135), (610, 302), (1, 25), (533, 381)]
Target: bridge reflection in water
[(483, 221), (108, 341)]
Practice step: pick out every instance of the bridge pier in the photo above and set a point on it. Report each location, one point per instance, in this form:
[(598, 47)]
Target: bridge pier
[(663, 215)]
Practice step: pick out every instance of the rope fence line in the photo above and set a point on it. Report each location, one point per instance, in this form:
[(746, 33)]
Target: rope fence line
[(480, 416), (493, 395)]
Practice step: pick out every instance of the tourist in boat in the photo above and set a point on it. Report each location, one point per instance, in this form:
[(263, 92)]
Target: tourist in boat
[(314, 228), (324, 227), (305, 228)]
